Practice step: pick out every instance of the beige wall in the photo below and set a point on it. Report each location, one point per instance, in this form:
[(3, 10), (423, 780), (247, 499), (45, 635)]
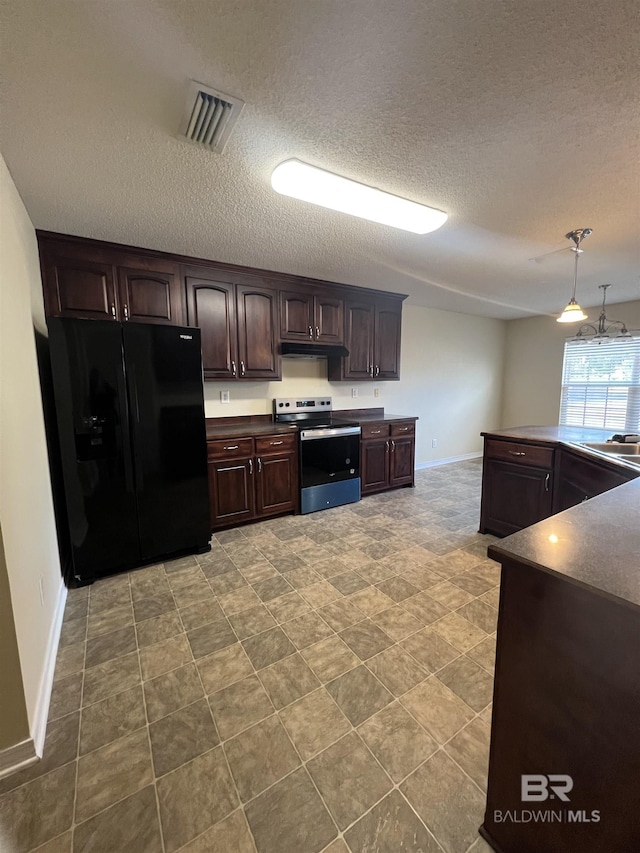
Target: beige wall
[(14, 725), (451, 379), (26, 507), (533, 364)]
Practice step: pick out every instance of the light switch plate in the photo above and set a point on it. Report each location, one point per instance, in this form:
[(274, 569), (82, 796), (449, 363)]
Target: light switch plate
[(224, 396)]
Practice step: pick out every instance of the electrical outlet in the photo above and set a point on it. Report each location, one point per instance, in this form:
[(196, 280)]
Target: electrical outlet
[(41, 585), (224, 396), (354, 392), (376, 392), (434, 442)]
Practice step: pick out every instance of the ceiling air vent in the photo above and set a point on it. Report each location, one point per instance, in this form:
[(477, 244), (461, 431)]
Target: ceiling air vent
[(209, 116)]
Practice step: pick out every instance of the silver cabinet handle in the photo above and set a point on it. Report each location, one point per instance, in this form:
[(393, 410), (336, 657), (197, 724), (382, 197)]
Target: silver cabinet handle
[(402, 429), (250, 466), (585, 498), (393, 445), (113, 311), (232, 447), (377, 370), (317, 332), (546, 483), (259, 465), (242, 371), (311, 332), (386, 444), (275, 443), (517, 453), (376, 431), (233, 368), (126, 311)]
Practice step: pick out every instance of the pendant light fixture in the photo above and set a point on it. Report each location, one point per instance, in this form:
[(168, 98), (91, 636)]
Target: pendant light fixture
[(573, 312), (602, 331)]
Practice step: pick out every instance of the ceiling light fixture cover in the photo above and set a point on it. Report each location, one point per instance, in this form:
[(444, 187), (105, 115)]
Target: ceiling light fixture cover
[(573, 313), (316, 186)]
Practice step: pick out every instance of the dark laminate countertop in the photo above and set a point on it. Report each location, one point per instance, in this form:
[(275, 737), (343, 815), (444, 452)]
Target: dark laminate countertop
[(248, 430), (376, 419)]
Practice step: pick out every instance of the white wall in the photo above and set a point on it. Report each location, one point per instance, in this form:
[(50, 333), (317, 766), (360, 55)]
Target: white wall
[(26, 507), (533, 364), (451, 379)]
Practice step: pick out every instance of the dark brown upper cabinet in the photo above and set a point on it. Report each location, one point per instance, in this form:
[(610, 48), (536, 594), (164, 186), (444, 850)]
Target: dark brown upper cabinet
[(98, 284), (238, 323), (372, 336), (309, 316)]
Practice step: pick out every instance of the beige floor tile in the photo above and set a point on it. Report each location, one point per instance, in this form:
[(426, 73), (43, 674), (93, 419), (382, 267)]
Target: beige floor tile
[(430, 649), (260, 756), (287, 607), (330, 658), (201, 613), (359, 694), (437, 709), (73, 631), (371, 601), (185, 578), (391, 826), (165, 656), (337, 846), (109, 646), (397, 623), (112, 718), (459, 632), (300, 578), (251, 621), (425, 608), (70, 659), (307, 629), (288, 680), (109, 620), (348, 582), (450, 595), (492, 597), (365, 639), (349, 779), (112, 772), (272, 588), (484, 654), (469, 681), (50, 798), (240, 706), (398, 588), (181, 736), (341, 614), (314, 722), (319, 594), (397, 741), (60, 844), (472, 583), (171, 691), (224, 667), (154, 605), (108, 598), (211, 638), (447, 801), (480, 614), (239, 600), (268, 647), (275, 817), (375, 572), (158, 628), (227, 582), (111, 677), (131, 824), (397, 670), (231, 835), (194, 797), (66, 696), (470, 748)]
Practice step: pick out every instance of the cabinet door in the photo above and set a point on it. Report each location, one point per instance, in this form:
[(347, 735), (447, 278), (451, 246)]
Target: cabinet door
[(374, 466), (231, 491), (359, 340), (401, 461), (74, 287), (276, 484), (580, 479), (329, 320), (386, 359), (257, 309), (514, 496), (296, 316), (211, 307), (150, 296)]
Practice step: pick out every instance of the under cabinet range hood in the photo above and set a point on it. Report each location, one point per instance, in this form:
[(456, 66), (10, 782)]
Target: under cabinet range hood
[(304, 350)]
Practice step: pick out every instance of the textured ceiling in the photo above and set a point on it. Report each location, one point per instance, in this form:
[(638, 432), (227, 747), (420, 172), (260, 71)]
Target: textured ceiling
[(520, 119)]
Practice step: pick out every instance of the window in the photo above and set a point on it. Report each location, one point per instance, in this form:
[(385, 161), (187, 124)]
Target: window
[(601, 384)]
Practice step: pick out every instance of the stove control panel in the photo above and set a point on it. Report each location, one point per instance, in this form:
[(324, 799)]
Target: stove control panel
[(283, 405)]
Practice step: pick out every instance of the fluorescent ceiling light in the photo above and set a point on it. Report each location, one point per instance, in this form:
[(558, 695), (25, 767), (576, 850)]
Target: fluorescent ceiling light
[(308, 183)]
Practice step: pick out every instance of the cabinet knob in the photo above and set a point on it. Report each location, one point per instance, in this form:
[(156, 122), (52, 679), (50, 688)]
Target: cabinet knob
[(259, 465), (242, 370), (126, 311), (317, 332), (386, 444), (250, 466), (377, 370), (275, 443), (232, 447), (113, 311), (233, 368), (393, 445), (517, 453), (311, 332), (546, 483), (376, 431)]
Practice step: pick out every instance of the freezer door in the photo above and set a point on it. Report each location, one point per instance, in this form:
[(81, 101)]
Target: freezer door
[(91, 409), (164, 380)]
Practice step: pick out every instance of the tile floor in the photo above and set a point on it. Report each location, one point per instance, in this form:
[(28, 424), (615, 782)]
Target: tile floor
[(315, 683)]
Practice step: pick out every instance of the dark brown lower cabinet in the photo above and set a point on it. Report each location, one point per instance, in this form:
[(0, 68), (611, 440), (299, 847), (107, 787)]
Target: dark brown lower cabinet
[(514, 496), (252, 478), (579, 479), (387, 456)]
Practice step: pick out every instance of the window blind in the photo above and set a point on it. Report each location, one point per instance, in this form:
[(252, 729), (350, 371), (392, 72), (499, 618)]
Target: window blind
[(601, 384)]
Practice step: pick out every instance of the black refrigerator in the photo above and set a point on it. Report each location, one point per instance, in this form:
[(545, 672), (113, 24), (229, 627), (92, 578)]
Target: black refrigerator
[(131, 431)]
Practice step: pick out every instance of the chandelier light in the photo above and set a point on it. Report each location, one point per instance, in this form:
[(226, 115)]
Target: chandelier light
[(603, 331), (573, 312)]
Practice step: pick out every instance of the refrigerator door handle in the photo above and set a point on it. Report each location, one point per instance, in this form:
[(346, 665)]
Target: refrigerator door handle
[(124, 433), (133, 387)]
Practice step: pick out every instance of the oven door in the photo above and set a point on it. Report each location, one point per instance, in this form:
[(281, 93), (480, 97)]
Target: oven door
[(329, 455)]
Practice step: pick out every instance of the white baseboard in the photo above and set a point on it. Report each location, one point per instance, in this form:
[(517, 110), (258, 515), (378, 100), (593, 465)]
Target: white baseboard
[(39, 727), (434, 463), (17, 756)]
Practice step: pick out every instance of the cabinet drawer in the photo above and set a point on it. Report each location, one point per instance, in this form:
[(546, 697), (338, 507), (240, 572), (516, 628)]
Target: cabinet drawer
[(375, 431), (403, 429), (276, 444), (523, 454), (229, 448)]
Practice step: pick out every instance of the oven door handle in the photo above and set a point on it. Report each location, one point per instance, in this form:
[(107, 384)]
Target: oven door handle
[(330, 432)]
